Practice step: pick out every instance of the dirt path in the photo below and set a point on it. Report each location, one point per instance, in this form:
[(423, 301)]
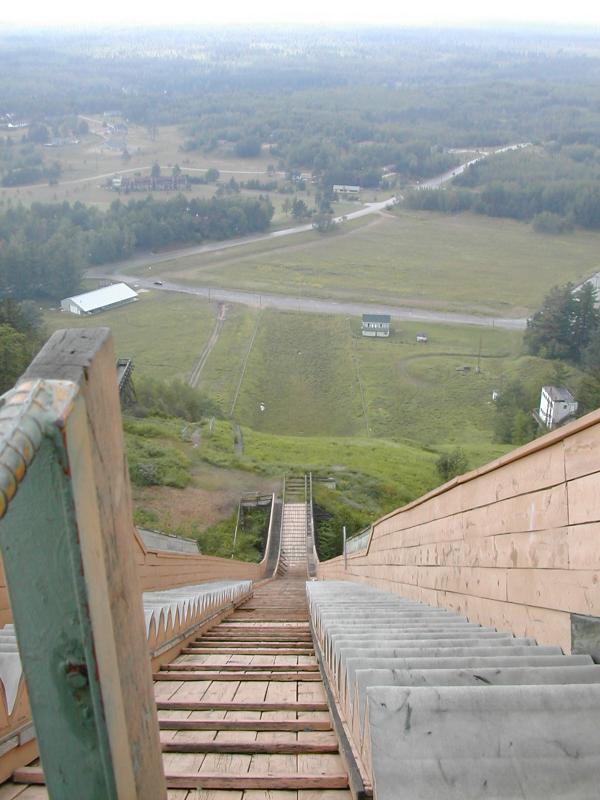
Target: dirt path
[(203, 357)]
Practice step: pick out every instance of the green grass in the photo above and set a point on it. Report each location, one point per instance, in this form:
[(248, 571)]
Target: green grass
[(221, 373), (463, 262), (317, 376), (373, 476), (415, 392), (301, 368), (163, 333), (398, 471)]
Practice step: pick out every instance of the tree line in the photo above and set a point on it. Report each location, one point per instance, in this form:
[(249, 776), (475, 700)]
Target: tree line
[(565, 331), (45, 248), (21, 335), (556, 188)]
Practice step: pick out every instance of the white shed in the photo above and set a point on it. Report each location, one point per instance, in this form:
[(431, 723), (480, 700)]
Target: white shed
[(556, 404)]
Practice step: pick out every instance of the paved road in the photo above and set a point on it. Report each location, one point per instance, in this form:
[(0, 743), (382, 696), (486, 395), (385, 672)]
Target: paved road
[(313, 305), (439, 180), (310, 305), (149, 259)]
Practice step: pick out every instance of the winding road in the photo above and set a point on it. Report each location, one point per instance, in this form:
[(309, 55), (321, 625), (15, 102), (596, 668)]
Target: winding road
[(119, 271), (314, 305)]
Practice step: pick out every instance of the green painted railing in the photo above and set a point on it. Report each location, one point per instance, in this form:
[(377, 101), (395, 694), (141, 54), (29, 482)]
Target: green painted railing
[(65, 538)]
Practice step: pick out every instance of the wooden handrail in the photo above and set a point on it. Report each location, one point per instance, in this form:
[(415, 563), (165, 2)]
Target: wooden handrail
[(68, 555)]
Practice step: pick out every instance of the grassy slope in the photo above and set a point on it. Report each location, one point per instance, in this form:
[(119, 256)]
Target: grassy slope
[(222, 370), (454, 262), (374, 475), (308, 371), (301, 368), (164, 333)]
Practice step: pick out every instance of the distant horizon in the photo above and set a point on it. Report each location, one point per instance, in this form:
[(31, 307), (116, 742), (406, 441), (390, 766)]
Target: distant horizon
[(578, 16), (503, 26)]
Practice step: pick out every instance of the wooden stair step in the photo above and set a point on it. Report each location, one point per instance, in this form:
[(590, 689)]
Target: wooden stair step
[(211, 780), (253, 748), (204, 645), (299, 725), (301, 677), (257, 637), (240, 667), (192, 705), (291, 781), (245, 651)]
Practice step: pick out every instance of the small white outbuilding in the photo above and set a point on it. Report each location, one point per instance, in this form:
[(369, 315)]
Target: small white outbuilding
[(556, 404), (118, 294)]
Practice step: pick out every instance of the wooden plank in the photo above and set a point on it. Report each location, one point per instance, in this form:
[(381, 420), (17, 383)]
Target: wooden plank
[(190, 705), (191, 666), (290, 781), (254, 633), (252, 651), (215, 644), (177, 723), (252, 746), (237, 676)]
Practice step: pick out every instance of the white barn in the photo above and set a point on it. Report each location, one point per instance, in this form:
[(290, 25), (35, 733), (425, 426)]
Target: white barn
[(118, 294), (556, 404)]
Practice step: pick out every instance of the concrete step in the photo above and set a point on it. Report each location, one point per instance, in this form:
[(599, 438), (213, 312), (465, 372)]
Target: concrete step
[(558, 674), (530, 742), (440, 708)]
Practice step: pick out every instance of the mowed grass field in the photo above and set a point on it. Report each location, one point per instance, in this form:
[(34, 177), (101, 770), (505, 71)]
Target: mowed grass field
[(459, 263), (163, 333), (301, 369), (316, 375), (305, 375)]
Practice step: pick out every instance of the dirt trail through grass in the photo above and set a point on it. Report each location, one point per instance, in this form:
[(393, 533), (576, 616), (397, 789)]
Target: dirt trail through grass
[(214, 336)]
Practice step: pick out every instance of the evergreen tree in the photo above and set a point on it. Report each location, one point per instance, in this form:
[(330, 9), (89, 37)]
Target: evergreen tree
[(565, 325)]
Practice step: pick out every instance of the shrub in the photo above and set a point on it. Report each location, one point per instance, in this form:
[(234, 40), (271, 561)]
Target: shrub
[(451, 464)]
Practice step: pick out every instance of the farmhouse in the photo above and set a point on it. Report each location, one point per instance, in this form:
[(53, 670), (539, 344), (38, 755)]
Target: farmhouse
[(344, 190), (422, 338), (119, 294), (556, 405), (376, 324)]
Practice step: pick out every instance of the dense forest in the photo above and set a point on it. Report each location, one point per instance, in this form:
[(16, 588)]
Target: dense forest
[(45, 248), (21, 334), (555, 186), (344, 103)]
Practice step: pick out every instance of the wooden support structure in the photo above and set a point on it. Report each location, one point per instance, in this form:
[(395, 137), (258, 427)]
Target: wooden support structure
[(66, 540)]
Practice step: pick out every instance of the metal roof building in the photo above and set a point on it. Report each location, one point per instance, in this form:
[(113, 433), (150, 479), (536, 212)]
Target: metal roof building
[(118, 294)]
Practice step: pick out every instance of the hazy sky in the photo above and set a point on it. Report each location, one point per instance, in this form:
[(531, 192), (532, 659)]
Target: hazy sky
[(386, 12)]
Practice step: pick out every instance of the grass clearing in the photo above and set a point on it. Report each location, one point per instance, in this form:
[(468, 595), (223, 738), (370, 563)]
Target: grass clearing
[(316, 375), (221, 374), (458, 263), (163, 333), (373, 476), (301, 369)]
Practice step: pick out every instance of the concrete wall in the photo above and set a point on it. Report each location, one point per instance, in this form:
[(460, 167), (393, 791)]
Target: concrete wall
[(514, 544)]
